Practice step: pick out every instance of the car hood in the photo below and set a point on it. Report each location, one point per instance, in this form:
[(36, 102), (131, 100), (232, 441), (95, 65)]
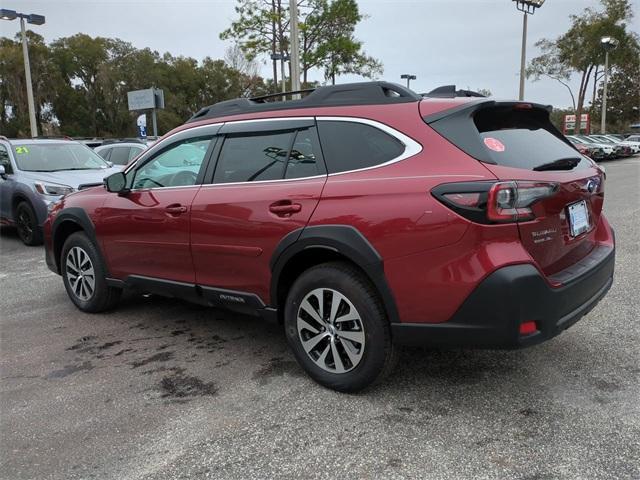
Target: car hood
[(71, 178)]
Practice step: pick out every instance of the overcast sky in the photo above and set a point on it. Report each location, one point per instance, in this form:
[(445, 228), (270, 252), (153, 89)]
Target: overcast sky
[(470, 43)]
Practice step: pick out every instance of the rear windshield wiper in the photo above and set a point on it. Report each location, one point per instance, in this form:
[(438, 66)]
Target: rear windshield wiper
[(560, 164)]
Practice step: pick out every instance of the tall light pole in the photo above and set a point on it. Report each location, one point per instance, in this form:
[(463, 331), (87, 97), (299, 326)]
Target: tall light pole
[(408, 78), (295, 48), (34, 20), (527, 7), (608, 43)]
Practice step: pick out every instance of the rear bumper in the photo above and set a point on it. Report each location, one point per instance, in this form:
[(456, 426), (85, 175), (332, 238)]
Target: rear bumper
[(491, 316)]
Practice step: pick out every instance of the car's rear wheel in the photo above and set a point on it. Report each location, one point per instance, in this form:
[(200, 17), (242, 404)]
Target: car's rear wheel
[(27, 224), (84, 275), (337, 327)]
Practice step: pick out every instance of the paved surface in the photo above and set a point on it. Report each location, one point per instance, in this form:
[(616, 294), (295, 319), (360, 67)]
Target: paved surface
[(160, 389)]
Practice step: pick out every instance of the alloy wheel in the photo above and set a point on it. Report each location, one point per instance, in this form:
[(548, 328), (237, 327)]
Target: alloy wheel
[(330, 330), (24, 226), (80, 273)]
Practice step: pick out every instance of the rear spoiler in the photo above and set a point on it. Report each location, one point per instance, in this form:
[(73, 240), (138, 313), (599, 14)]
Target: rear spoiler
[(474, 105), (449, 91)]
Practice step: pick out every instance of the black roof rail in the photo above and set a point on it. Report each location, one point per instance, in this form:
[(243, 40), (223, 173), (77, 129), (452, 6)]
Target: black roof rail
[(362, 93), (449, 91)]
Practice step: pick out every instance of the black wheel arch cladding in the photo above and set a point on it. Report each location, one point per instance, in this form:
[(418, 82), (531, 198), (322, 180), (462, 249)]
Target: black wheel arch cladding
[(79, 217), (344, 240)]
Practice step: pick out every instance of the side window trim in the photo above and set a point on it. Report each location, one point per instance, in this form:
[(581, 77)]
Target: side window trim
[(411, 146)]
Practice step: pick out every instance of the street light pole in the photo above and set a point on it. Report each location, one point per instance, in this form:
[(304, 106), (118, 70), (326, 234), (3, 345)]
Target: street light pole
[(603, 120), (27, 75), (295, 48), (408, 77), (34, 19), (608, 43), (527, 7), (523, 55)]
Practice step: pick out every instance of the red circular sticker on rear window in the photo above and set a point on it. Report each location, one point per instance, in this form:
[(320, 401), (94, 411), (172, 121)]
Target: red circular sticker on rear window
[(494, 144)]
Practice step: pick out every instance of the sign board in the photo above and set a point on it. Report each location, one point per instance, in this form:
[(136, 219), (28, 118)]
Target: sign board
[(145, 99), (569, 123), (142, 125)]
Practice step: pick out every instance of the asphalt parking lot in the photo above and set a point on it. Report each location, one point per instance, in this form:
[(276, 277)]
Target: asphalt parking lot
[(161, 389)]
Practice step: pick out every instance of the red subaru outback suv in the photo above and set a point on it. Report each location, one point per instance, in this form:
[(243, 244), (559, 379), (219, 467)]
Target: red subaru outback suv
[(362, 216)]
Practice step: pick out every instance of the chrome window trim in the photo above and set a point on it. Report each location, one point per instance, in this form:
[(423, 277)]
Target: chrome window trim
[(258, 182), (411, 146), (275, 119)]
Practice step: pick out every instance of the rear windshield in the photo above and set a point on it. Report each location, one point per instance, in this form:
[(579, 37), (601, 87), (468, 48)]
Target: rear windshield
[(53, 157), (524, 138)]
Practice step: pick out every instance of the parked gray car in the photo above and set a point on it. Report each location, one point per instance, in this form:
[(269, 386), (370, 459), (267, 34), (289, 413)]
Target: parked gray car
[(34, 174)]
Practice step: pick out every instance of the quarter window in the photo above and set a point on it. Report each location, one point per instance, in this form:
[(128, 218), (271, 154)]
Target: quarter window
[(249, 157), (352, 146)]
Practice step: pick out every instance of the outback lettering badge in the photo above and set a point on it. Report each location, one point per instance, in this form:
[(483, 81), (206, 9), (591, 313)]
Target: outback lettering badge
[(543, 235), (231, 298)]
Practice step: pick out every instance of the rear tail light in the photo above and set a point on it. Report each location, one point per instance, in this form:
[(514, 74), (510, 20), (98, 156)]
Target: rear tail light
[(494, 202)]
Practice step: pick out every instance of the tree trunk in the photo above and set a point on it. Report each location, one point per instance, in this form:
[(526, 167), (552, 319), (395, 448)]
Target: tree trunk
[(595, 87), (584, 84)]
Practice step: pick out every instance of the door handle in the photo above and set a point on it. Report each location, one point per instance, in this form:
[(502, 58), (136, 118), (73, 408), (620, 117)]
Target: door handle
[(175, 209), (284, 207)]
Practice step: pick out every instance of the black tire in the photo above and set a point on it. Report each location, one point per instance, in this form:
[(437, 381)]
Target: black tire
[(102, 297), (27, 224), (378, 356)]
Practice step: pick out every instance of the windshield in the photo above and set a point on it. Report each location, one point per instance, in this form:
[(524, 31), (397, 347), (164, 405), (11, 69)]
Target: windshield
[(53, 157)]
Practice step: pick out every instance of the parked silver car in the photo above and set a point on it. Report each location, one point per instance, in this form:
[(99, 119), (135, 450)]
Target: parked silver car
[(34, 174), (120, 152)]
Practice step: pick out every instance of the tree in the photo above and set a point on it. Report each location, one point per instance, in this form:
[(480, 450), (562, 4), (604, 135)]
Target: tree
[(623, 98), (259, 29), (328, 41), (579, 51), (326, 35), (14, 112), (80, 85)]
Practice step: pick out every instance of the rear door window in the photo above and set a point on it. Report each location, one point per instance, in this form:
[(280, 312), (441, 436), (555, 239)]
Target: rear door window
[(352, 146), (253, 156)]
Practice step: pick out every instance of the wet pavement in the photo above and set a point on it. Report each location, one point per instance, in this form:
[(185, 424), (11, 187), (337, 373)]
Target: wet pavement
[(161, 389)]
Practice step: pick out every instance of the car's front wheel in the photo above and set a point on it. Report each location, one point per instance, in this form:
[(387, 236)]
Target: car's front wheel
[(337, 327), (84, 275), (27, 224)]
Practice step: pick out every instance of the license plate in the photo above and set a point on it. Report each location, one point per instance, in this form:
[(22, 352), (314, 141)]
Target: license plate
[(578, 218)]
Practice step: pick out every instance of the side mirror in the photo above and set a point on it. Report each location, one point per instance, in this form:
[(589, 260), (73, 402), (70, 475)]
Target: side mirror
[(116, 183), (3, 172)]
